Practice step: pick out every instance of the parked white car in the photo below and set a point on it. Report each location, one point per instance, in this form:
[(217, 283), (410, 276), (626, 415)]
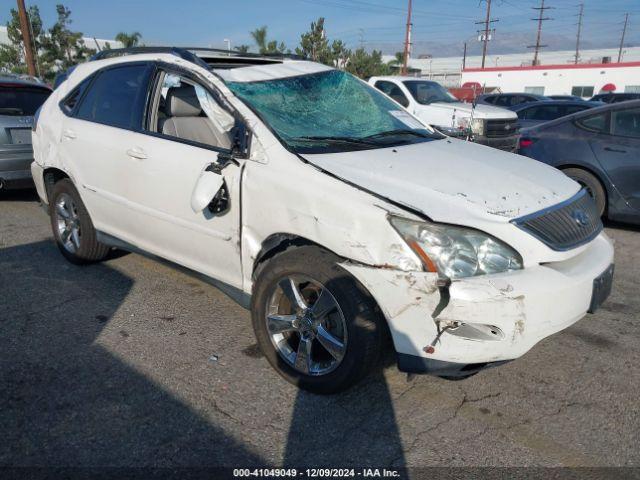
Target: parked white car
[(435, 106), (318, 203)]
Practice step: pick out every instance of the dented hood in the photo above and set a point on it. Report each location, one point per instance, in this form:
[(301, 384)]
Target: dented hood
[(450, 179)]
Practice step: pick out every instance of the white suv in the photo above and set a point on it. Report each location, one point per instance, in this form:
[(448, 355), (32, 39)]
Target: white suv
[(318, 203)]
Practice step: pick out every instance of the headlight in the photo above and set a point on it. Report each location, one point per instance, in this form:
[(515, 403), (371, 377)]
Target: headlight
[(477, 126), (456, 252)]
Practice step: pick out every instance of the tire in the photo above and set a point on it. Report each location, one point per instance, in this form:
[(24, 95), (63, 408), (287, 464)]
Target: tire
[(356, 321), (592, 184), (68, 214)]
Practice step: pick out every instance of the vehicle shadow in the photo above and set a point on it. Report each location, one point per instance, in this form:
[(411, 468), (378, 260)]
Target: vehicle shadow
[(622, 226), (355, 428), (67, 401), (19, 195)]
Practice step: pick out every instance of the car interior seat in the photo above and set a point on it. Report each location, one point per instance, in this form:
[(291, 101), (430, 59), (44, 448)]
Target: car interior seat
[(185, 119)]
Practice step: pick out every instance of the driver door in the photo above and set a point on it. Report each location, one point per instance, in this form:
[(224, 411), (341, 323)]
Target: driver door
[(184, 134)]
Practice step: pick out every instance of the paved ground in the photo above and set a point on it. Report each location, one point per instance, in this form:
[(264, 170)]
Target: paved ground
[(112, 365)]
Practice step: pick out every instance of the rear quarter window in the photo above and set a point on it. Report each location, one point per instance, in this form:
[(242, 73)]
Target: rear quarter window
[(595, 123)]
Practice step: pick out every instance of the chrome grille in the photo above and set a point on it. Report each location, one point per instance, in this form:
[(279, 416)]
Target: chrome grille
[(500, 128), (566, 225)]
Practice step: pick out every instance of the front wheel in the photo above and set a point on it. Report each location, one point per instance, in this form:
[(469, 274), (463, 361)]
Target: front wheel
[(314, 322)]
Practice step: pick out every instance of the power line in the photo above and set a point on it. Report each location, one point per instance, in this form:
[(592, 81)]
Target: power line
[(577, 59), (624, 31), (541, 18)]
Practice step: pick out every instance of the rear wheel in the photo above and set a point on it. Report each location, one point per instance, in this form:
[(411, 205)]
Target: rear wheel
[(314, 322), (591, 184), (72, 227)]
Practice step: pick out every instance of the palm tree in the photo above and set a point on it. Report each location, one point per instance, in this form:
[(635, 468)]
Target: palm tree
[(129, 40), (260, 37), (241, 48)]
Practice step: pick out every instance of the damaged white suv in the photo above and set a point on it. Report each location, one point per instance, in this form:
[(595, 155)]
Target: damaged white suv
[(313, 200)]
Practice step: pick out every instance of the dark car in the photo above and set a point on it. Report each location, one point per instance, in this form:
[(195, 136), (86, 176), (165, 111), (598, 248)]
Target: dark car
[(573, 98), (20, 98), (509, 99), (615, 97), (600, 149), (532, 114)]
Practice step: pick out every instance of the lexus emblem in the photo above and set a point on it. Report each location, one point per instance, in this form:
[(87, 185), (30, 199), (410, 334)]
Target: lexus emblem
[(580, 217)]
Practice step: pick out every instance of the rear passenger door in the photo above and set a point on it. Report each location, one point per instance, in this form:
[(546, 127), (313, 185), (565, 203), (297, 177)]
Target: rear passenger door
[(103, 114)]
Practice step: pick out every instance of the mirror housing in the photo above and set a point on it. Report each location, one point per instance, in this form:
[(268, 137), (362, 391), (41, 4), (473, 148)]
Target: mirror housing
[(207, 187)]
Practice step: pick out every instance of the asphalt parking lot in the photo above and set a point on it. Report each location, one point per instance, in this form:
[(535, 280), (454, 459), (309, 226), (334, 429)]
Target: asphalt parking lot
[(131, 363)]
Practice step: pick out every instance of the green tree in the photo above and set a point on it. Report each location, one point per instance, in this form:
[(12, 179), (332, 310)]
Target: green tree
[(62, 48), (314, 44), (340, 54), (12, 54), (242, 48), (365, 64), (129, 40), (264, 45)]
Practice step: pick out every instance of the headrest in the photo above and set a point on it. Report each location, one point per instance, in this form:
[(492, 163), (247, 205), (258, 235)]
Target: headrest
[(182, 101)]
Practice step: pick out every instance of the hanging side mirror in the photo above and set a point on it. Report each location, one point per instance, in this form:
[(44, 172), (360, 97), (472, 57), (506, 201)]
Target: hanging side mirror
[(208, 186)]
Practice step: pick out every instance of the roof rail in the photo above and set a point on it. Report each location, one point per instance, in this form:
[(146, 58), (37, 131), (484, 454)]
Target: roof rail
[(187, 53), (179, 52)]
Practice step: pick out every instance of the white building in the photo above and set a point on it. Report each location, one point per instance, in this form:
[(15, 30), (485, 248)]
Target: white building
[(583, 80), (90, 42), (448, 70)]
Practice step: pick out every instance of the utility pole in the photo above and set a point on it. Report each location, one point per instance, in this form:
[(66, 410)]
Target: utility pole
[(26, 38), (577, 59), (624, 31), (464, 56), (407, 42), (484, 37), (540, 19)]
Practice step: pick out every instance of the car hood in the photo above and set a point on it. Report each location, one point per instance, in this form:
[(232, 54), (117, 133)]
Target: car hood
[(481, 111), (450, 180)]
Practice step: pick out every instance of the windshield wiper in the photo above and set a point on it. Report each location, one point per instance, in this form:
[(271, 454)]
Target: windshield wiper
[(329, 139), (393, 133)]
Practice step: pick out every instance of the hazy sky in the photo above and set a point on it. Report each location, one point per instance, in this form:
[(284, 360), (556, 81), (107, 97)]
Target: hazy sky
[(439, 25)]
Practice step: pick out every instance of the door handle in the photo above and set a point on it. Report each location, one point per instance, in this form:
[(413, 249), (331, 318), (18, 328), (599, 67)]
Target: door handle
[(70, 134), (609, 149), (137, 152)]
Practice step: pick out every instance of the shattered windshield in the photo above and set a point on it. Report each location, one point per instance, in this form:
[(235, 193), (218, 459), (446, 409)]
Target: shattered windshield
[(330, 111), (429, 92)]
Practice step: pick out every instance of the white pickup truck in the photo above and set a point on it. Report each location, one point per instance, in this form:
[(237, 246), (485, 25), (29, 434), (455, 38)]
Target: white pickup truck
[(434, 105)]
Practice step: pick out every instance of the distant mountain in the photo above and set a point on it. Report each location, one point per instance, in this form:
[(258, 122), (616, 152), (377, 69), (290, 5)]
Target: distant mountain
[(503, 43)]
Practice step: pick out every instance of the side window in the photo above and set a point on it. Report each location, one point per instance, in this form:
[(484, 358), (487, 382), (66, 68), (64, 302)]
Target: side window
[(503, 101), (72, 99), (117, 97), (595, 123), (491, 99), (626, 123), (392, 90), (185, 109)]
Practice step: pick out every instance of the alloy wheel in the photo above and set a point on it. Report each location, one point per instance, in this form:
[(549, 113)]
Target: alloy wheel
[(68, 223), (306, 325)]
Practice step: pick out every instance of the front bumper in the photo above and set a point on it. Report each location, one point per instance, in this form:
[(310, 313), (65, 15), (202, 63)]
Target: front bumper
[(508, 144), (14, 166), (485, 319)]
